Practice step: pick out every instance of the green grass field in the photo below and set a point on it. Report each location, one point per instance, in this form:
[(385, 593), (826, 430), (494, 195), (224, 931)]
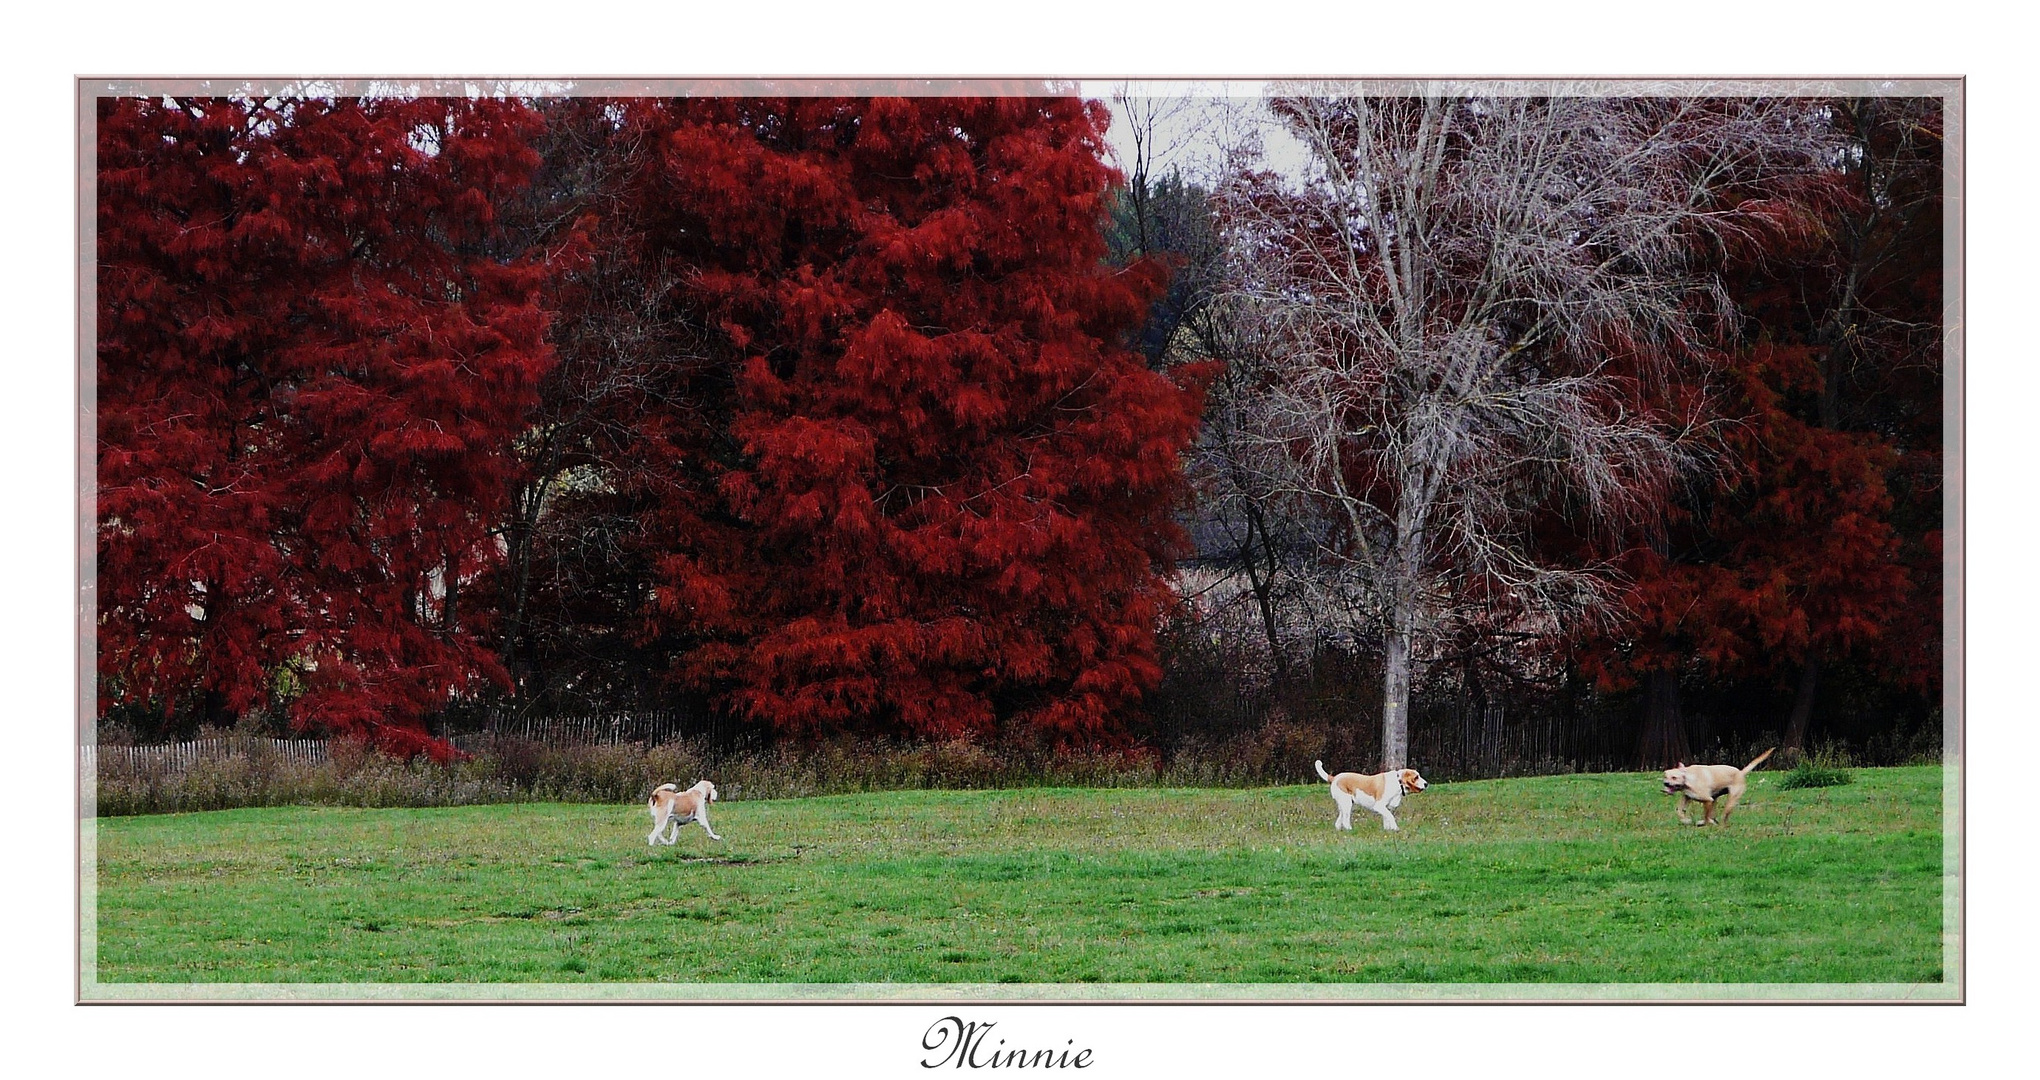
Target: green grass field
[(1553, 879)]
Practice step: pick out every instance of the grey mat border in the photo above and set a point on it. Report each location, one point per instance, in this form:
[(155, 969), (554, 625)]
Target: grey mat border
[(1952, 89), (1015, 993)]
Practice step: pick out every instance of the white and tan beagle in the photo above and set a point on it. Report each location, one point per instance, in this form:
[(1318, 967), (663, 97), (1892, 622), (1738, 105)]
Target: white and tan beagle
[(1381, 793), (1706, 783), (671, 806)]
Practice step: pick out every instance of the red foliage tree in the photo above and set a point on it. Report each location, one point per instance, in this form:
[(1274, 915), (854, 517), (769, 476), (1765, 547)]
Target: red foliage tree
[(1790, 558), (310, 369), (912, 481), (1821, 542)]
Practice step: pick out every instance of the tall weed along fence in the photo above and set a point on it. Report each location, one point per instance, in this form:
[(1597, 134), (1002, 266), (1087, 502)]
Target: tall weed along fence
[(617, 760), (575, 761), (202, 774)]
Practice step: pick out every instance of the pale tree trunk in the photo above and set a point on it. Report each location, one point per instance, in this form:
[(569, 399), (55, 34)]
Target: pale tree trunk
[(1402, 631), (1395, 701)]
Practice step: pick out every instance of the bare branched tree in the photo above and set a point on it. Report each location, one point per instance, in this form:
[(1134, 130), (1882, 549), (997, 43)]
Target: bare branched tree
[(1482, 313)]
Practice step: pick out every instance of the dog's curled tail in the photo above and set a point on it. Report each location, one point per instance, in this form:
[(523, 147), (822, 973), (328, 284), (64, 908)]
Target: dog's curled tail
[(665, 787), (1759, 761), (1322, 774)]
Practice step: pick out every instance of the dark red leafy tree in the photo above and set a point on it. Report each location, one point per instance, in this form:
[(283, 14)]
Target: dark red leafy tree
[(913, 481), (310, 370), (1820, 545), (1790, 557)]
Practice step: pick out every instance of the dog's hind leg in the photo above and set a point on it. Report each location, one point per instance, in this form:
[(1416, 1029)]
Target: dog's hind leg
[(658, 826), (1345, 804), (1728, 804)]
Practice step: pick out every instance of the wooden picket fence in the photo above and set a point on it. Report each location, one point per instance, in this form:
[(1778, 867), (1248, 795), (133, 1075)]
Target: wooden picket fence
[(650, 727), (615, 729), (184, 755)]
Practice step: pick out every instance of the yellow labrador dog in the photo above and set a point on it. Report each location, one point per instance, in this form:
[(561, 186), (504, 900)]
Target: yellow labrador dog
[(673, 807), (1381, 793), (1706, 783)]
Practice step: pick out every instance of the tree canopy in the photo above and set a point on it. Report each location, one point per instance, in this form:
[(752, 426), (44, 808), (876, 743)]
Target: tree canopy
[(886, 416), (309, 373)]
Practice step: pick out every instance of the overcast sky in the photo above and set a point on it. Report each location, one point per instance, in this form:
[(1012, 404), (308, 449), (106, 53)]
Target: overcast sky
[(1193, 121)]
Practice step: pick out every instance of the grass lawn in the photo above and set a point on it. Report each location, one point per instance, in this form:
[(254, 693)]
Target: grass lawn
[(1551, 879)]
